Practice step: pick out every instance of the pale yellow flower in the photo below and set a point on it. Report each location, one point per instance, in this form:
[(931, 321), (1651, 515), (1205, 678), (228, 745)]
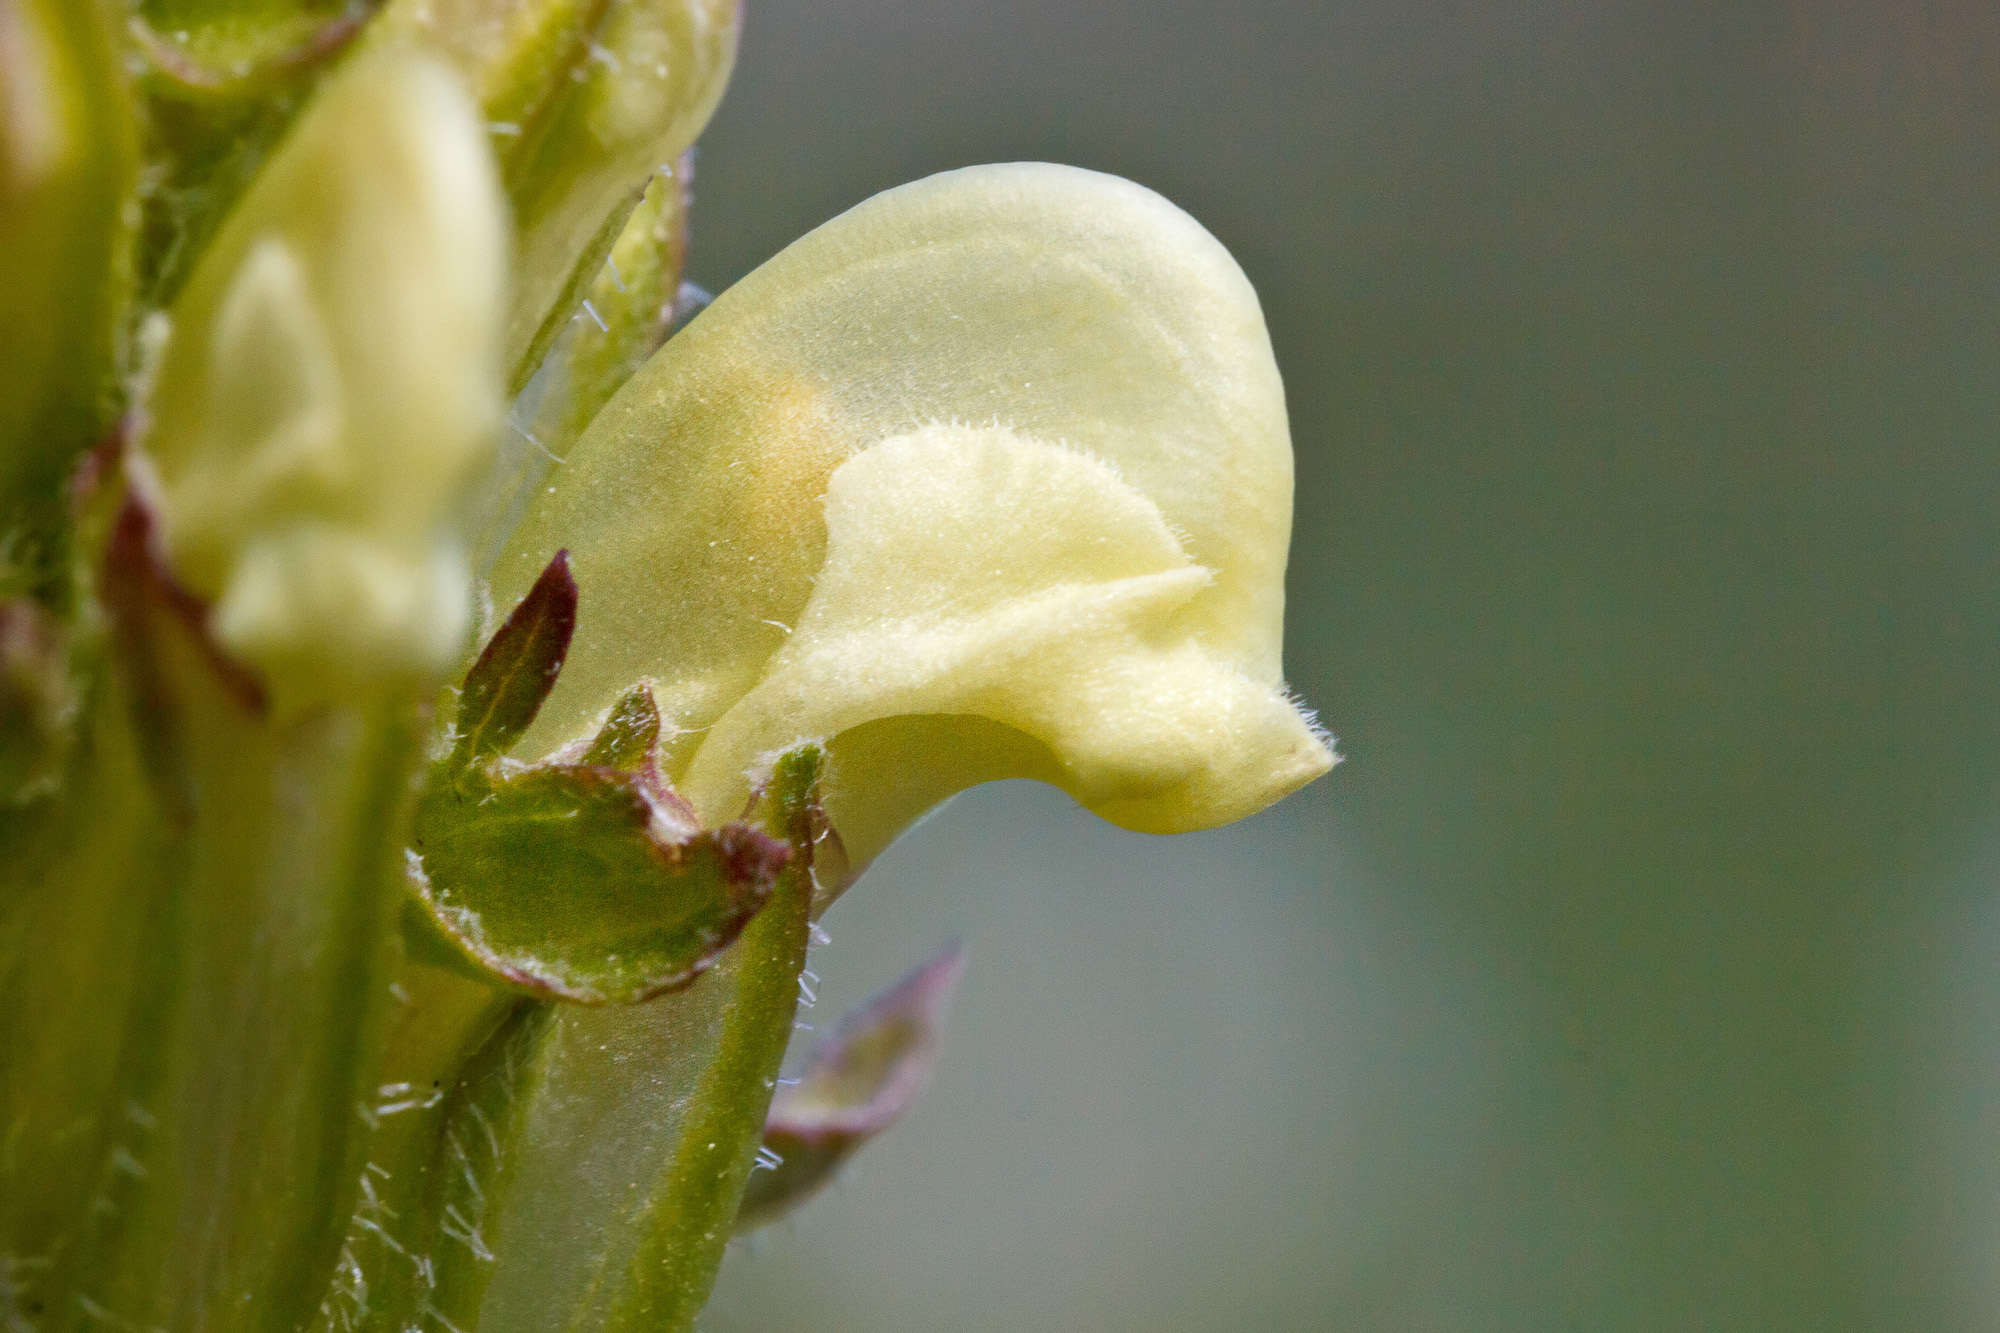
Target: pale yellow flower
[(989, 477)]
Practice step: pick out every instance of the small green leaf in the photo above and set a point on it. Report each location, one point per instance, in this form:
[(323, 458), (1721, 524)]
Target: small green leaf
[(629, 735), (856, 1083), (506, 686), (584, 883)]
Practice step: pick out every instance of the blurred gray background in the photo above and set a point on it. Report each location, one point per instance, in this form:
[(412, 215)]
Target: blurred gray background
[(1641, 967)]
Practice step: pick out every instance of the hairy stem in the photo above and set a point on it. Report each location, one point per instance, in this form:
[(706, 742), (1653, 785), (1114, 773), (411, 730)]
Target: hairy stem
[(220, 890), (688, 1222)]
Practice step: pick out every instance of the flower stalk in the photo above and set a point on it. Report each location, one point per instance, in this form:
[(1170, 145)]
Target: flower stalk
[(199, 945), (684, 1226)]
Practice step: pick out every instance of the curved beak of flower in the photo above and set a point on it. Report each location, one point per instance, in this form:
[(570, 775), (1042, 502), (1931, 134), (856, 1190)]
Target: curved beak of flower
[(989, 477)]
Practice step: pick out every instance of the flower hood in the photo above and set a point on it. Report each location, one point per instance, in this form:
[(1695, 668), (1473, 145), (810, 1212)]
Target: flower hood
[(988, 477)]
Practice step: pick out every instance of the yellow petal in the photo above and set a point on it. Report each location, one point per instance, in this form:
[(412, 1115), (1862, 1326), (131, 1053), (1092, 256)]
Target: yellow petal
[(974, 572), (332, 381), (1065, 517)]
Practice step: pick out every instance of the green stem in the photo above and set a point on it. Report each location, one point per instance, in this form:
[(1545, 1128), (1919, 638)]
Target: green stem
[(687, 1223), (222, 895), (462, 1062), (83, 881), (265, 1031)]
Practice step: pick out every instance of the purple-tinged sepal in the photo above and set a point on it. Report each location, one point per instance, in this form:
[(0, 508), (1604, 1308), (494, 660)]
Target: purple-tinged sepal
[(856, 1083), (583, 877), (515, 671)]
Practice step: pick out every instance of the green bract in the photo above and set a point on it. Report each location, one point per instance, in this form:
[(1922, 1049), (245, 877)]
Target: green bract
[(343, 1000)]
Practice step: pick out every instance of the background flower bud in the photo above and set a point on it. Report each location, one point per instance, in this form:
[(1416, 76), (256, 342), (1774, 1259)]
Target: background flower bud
[(331, 383)]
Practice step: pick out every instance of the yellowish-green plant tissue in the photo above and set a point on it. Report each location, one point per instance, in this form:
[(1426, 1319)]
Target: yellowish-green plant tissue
[(332, 382), (580, 115), (989, 477)]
